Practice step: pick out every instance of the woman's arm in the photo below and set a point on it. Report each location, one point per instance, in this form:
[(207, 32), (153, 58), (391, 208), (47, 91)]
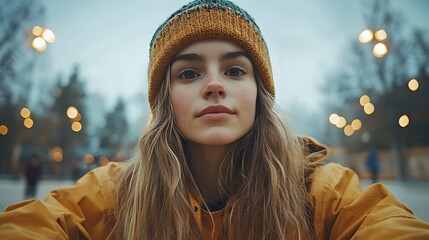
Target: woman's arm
[(84, 210)]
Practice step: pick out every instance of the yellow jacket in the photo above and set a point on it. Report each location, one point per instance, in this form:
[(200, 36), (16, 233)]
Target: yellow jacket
[(341, 210)]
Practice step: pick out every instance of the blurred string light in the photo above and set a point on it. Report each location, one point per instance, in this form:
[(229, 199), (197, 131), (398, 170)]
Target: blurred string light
[(356, 124), (413, 85), (103, 160), (88, 158), (120, 156), (39, 44), (348, 130), (78, 117), (366, 36), (404, 121), (380, 48), (369, 108), (333, 118), (75, 116), (26, 113), (28, 123), (57, 154), (381, 35), (72, 112), (76, 126), (37, 31), (42, 37), (337, 120), (48, 36), (3, 130), (341, 122), (364, 100)]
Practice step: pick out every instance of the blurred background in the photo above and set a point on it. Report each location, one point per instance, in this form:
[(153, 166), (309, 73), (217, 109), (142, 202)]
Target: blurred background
[(73, 82)]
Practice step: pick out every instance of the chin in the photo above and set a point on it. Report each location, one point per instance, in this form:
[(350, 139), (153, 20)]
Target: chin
[(217, 139), (217, 142)]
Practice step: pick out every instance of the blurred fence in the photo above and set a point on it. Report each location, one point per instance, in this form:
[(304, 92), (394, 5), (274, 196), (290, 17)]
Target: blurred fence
[(416, 161)]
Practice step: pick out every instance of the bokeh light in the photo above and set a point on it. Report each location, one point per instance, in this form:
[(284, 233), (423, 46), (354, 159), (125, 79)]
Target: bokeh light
[(103, 160), (121, 155), (413, 85), (333, 118), (76, 126), (72, 112), (3, 130), (366, 36), (369, 108), (356, 124), (28, 123), (380, 35), (25, 113), (88, 158), (341, 122), (49, 36), (348, 130), (56, 154), (39, 44), (78, 117), (379, 50), (364, 100), (37, 31), (404, 121)]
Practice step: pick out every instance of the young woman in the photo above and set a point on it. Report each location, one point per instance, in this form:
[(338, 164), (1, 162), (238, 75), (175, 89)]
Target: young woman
[(216, 161)]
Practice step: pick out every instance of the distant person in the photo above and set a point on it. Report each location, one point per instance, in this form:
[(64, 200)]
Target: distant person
[(373, 165), (32, 174), (216, 160)]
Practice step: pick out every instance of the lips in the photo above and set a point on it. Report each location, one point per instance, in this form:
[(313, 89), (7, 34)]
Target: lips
[(214, 109)]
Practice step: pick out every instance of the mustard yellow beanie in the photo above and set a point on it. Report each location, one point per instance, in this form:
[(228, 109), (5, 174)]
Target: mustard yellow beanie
[(206, 19)]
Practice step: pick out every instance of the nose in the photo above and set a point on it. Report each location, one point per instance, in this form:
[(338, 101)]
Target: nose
[(214, 87)]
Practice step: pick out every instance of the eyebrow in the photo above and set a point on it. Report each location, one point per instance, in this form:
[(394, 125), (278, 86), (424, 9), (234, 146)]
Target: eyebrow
[(187, 57), (231, 55), (196, 57)]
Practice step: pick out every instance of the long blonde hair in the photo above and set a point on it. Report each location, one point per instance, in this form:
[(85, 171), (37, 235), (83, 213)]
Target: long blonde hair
[(263, 172)]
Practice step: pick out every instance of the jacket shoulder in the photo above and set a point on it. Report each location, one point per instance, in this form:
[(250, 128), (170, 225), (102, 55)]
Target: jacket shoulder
[(343, 211), (333, 187)]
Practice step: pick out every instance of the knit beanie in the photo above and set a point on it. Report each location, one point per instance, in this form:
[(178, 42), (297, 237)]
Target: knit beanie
[(206, 19)]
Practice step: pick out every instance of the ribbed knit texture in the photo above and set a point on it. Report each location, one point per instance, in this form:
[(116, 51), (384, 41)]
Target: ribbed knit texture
[(206, 19)]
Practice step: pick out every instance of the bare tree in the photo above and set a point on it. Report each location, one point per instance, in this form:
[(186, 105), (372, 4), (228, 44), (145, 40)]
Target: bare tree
[(381, 77), (16, 65)]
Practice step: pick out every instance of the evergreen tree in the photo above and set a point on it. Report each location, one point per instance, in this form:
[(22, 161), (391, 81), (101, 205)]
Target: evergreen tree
[(72, 94), (114, 133)]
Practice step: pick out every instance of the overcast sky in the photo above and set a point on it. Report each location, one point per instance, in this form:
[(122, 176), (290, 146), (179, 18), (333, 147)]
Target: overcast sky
[(110, 41)]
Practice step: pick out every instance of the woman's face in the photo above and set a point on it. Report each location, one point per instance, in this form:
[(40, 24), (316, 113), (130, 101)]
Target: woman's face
[(213, 92)]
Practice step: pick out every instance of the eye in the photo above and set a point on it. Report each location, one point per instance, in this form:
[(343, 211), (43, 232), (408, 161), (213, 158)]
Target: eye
[(188, 74), (235, 71)]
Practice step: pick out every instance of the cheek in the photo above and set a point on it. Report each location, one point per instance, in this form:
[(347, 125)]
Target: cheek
[(248, 102), (180, 102)]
